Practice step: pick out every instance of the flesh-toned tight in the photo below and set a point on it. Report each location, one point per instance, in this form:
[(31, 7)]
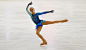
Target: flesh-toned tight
[(46, 23)]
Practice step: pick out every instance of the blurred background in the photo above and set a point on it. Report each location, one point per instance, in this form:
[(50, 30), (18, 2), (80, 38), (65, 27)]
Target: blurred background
[(17, 31)]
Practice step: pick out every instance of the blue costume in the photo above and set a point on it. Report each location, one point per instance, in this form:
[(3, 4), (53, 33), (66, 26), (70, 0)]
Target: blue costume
[(35, 17)]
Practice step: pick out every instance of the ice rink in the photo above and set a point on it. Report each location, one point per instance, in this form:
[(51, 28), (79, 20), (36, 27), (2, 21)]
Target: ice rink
[(17, 31)]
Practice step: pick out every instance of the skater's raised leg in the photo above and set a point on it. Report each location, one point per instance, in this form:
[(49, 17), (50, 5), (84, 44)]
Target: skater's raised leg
[(52, 22)]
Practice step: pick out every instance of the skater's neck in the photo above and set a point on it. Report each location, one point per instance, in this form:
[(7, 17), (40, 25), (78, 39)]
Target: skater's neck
[(33, 13)]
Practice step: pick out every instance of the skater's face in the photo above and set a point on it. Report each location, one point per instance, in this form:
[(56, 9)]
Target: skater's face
[(32, 10)]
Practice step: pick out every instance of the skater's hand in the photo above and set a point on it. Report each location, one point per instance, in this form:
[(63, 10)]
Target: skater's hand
[(30, 3), (52, 11)]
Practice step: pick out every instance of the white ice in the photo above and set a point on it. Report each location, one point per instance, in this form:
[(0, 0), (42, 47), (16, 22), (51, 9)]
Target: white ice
[(17, 31)]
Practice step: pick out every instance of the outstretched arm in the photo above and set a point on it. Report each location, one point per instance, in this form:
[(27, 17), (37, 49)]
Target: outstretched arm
[(27, 8), (46, 12)]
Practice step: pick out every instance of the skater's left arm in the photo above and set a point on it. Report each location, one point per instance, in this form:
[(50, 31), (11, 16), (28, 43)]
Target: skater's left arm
[(27, 8), (46, 12)]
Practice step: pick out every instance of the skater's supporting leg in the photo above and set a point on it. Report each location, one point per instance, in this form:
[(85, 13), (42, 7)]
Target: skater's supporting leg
[(38, 33)]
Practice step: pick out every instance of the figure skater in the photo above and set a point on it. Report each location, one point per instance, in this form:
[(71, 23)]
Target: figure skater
[(39, 23)]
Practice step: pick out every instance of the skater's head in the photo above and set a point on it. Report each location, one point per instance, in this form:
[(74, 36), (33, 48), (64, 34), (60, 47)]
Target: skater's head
[(32, 9)]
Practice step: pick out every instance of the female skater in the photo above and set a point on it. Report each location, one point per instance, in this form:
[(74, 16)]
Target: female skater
[(39, 23)]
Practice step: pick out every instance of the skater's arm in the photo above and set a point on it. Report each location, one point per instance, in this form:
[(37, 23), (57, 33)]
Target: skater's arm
[(46, 12), (27, 8)]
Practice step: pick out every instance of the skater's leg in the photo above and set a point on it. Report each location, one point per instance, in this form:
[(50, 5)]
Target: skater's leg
[(64, 20), (52, 22), (49, 22), (38, 33)]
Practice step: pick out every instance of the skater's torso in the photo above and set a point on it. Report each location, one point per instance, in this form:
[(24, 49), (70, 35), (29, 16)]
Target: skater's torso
[(35, 18)]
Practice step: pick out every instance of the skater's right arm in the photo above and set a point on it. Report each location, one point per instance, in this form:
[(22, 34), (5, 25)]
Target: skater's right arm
[(27, 8), (46, 12)]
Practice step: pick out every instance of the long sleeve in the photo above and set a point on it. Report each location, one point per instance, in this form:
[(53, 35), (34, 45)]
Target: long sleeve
[(44, 12), (27, 10)]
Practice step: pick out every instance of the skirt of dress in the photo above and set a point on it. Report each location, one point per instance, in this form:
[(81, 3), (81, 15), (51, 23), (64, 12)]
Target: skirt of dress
[(39, 24)]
